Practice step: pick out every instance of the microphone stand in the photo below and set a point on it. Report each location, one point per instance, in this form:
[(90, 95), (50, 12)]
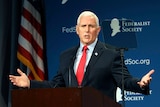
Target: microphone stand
[(70, 71), (69, 77), (122, 60)]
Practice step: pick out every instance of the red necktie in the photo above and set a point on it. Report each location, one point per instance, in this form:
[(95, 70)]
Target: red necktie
[(81, 66)]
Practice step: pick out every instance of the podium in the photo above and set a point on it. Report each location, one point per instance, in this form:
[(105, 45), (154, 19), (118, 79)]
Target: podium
[(61, 97)]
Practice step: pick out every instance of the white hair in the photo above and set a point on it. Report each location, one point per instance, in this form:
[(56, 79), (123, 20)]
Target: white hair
[(88, 13)]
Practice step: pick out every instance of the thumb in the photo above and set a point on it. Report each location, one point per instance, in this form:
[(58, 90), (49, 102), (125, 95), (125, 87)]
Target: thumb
[(20, 72)]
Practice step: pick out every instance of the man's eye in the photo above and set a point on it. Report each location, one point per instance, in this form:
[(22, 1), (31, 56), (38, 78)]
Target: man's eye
[(91, 26), (83, 25)]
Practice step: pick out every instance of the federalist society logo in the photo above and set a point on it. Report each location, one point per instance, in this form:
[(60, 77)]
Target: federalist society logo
[(129, 96), (125, 25)]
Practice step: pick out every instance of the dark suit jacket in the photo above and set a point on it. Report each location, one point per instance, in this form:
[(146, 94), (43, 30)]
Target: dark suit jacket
[(104, 72)]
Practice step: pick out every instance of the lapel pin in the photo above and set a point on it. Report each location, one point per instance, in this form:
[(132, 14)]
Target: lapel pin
[(96, 53)]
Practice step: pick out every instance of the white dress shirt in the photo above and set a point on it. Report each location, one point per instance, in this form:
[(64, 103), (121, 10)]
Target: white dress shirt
[(80, 52)]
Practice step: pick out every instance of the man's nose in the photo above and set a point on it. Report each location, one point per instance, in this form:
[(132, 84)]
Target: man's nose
[(87, 28)]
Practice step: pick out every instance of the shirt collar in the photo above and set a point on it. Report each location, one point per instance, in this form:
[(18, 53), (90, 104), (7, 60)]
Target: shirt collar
[(90, 47)]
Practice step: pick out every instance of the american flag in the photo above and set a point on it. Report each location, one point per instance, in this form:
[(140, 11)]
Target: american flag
[(30, 41)]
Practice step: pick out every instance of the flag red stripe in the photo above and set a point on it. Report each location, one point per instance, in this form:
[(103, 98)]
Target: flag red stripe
[(28, 36), (32, 20), (31, 76)]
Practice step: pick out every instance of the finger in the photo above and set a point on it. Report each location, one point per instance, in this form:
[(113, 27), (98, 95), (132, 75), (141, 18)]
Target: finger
[(150, 72), (19, 72), (11, 77), (145, 82), (14, 83), (140, 84)]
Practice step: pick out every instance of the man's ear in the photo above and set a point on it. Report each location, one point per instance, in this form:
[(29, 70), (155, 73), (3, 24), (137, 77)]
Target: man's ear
[(77, 29), (99, 29)]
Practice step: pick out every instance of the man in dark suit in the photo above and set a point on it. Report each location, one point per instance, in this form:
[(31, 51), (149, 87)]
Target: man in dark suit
[(102, 70)]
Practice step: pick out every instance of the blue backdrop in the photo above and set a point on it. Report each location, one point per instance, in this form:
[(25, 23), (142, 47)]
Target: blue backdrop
[(61, 18)]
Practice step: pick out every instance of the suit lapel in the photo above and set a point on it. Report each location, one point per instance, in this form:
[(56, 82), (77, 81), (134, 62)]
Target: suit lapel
[(95, 56), (72, 59)]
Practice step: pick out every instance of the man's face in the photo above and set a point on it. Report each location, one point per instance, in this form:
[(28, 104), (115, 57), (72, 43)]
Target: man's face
[(87, 29)]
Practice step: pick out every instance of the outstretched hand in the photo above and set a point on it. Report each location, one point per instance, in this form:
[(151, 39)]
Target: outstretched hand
[(20, 81), (146, 79)]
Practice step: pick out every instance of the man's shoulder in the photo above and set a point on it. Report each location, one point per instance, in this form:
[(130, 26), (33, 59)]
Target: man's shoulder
[(71, 50), (109, 48)]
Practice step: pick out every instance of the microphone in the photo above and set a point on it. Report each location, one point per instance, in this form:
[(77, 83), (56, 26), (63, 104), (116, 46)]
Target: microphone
[(69, 72), (55, 85)]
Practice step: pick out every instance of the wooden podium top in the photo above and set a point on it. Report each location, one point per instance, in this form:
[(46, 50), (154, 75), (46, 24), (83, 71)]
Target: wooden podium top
[(61, 97)]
